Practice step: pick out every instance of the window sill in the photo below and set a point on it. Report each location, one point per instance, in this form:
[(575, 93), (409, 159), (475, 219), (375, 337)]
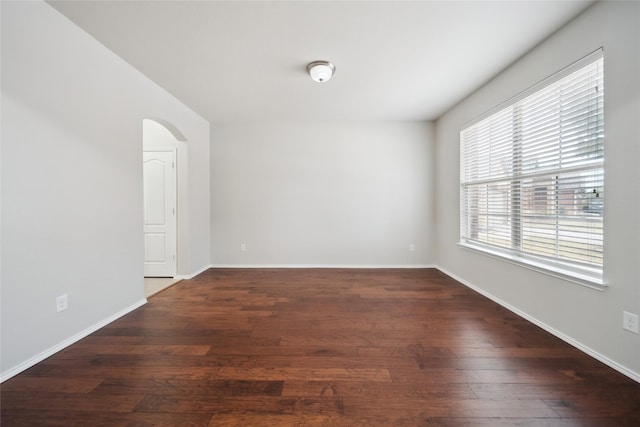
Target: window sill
[(531, 264)]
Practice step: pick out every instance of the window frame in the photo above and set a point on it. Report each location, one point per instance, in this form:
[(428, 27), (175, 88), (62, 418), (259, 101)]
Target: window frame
[(571, 271)]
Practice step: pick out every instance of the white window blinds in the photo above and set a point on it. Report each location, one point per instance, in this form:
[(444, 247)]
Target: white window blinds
[(532, 175)]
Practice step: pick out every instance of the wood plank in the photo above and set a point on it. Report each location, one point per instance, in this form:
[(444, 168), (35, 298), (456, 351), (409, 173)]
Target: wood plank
[(309, 374), (201, 388), (193, 350), (377, 390), (36, 401), (270, 420), (628, 393), (25, 383), (250, 404), (437, 407), (67, 416)]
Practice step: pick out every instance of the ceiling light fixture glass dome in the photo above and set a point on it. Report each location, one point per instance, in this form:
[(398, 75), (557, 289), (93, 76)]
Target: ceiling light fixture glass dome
[(321, 71)]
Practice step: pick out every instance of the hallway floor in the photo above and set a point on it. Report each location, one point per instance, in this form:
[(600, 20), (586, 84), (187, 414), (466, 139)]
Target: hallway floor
[(153, 285)]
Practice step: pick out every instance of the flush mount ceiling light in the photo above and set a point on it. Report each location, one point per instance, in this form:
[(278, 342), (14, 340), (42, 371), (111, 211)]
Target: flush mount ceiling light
[(321, 71)]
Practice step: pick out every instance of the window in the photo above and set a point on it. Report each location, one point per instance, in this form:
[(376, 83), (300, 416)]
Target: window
[(532, 176)]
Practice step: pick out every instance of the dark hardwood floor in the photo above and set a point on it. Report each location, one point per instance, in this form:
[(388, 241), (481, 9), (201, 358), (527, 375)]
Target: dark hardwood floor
[(320, 347)]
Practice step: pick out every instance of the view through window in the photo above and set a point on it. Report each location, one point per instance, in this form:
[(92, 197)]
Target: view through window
[(532, 175)]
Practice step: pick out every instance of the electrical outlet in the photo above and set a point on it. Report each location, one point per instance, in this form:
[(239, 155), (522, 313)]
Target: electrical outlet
[(62, 303), (630, 322), (412, 247), (243, 247)]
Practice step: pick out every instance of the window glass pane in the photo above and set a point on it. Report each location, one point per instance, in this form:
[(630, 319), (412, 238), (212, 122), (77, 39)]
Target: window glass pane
[(532, 175), (562, 217)]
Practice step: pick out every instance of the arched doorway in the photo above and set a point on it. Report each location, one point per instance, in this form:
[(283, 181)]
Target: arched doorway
[(161, 149)]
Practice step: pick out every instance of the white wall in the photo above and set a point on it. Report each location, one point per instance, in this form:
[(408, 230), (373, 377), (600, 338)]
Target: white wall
[(591, 318), (322, 194), (72, 116)]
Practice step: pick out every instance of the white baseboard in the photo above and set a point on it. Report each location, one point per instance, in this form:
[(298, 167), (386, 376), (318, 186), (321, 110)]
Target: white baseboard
[(602, 358), (64, 344), (356, 266), (192, 275)]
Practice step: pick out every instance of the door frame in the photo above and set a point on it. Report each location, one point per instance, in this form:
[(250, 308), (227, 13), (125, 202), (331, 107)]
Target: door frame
[(174, 179)]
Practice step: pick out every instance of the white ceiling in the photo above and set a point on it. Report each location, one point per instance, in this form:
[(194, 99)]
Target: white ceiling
[(245, 61)]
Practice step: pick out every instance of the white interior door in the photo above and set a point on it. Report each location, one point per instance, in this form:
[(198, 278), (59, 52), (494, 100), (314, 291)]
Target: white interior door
[(159, 213)]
